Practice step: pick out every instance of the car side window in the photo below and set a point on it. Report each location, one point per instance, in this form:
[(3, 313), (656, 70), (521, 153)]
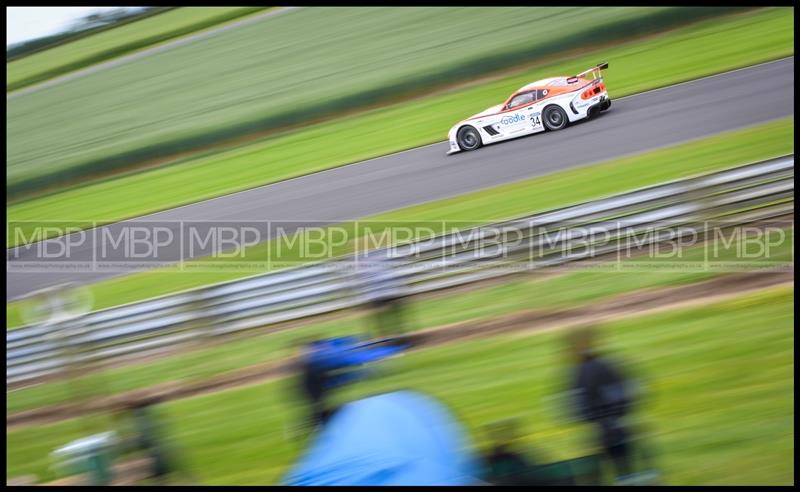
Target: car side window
[(521, 99), (542, 93)]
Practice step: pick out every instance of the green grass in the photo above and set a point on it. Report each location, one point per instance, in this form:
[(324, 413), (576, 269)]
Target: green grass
[(488, 302), (115, 42), (721, 413), (501, 202), (300, 66)]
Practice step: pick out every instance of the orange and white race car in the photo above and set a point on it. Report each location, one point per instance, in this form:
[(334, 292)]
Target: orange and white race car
[(547, 104)]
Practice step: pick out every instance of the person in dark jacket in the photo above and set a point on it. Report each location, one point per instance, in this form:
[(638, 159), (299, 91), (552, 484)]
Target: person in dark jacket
[(506, 464), (602, 396), (313, 382), (145, 433), (384, 291)]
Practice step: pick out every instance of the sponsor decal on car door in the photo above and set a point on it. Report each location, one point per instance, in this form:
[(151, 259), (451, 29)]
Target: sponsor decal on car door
[(514, 122)]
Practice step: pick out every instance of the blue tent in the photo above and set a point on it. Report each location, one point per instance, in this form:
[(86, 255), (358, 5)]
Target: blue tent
[(399, 438)]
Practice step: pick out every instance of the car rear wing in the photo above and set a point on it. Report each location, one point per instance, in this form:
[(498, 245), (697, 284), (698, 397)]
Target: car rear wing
[(594, 72)]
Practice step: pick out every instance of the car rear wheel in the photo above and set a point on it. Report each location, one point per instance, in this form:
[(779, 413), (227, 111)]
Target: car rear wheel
[(554, 118), (468, 138)]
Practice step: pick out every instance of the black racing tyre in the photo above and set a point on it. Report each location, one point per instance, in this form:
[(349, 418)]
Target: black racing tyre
[(554, 118), (468, 138), (606, 104)]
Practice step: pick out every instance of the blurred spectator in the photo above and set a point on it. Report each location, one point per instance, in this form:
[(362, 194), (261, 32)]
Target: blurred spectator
[(145, 433), (330, 363), (603, 396), (314, 383), (385, 292), (506, 464)]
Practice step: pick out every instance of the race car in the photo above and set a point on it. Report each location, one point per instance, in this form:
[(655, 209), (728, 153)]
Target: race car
[(547, 104)]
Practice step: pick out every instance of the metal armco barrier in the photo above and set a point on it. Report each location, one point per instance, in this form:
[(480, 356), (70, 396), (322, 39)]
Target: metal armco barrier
[(737, 196)]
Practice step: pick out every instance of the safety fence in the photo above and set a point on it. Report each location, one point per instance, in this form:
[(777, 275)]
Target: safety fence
[(651, 215)]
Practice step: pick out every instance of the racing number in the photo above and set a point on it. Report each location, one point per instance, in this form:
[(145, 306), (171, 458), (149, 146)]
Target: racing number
[(536, 120)]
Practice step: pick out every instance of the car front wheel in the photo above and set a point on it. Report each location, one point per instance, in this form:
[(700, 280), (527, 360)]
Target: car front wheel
[(468, 138), (554, 118)]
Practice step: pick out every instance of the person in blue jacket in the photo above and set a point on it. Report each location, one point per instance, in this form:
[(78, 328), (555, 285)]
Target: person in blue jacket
[(330, 363)]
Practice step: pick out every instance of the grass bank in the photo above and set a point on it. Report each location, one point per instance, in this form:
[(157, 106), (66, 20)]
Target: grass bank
[(116, 42), (720, 410)]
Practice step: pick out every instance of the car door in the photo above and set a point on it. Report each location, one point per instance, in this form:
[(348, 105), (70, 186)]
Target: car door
[(515, 120), (533, 111)]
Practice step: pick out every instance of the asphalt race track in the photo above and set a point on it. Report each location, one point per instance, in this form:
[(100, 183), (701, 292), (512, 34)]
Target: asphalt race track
[(634, 124)]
